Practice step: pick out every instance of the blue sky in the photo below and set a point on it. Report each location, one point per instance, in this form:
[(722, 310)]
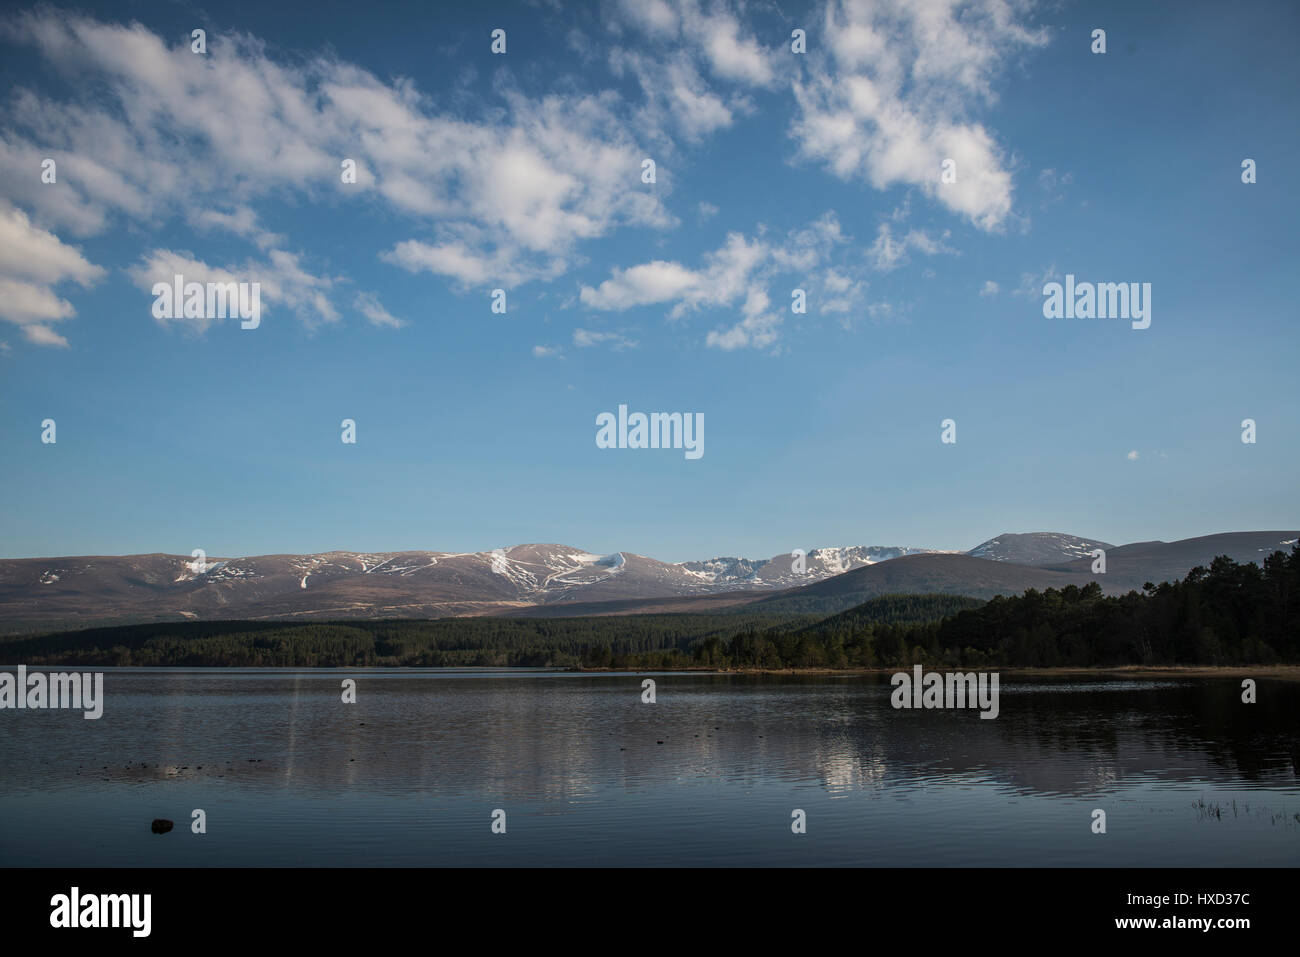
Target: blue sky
[(522, 171)]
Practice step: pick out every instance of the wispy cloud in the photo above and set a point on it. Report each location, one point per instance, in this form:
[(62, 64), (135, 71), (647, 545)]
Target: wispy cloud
[(889, 252), (284, 283), (586, 337), (739, 275), (158, 129), (368, 304)]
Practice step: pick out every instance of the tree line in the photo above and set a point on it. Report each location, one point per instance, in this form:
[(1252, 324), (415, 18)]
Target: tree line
[(1227, 614)]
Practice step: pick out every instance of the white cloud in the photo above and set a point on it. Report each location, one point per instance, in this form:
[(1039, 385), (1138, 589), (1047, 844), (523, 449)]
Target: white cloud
[(656, 17), (888, 252), (507, 194), (1031, 286), (283, 283), (757, 329), (32, 262), (472, 264), (242, 221), (368, 304), (840, 293), (890, 102), (805, 248), (543, 352), (725, 276), (26, 302), (649, 283), (716, 37), (990, 288), (677, 98), (585, 337), (43, 336), (153, 129), (39, 255), (731, 53), (695, 66), (737, 275), (1132, 456)]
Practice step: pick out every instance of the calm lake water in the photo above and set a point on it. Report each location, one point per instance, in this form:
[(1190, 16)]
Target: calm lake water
[(411, 773)]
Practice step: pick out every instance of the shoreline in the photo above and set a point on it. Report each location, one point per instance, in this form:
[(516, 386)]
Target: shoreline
[(1279, 672)]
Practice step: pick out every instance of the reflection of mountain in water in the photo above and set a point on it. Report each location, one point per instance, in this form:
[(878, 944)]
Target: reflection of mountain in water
[(569, 738)]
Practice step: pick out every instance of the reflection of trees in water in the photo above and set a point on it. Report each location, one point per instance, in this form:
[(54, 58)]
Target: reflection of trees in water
[(572, 739), (1148, 727), (1078, 742), (543, 741)]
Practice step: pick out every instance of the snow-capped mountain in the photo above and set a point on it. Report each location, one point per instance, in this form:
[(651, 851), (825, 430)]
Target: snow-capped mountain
[(385, 583), (562, 580), (782, 571)]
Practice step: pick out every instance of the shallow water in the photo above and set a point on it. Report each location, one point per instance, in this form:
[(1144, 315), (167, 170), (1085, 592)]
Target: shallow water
[(411, 773)]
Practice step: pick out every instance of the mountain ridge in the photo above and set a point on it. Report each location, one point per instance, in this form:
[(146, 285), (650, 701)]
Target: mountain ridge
[(546, 579)]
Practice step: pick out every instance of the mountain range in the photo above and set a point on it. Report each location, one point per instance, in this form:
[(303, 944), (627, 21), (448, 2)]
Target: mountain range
[(553, 580)]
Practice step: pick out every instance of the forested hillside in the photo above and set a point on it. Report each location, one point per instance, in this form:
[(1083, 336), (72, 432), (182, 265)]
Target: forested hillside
[(484, 642), (1229, 613)]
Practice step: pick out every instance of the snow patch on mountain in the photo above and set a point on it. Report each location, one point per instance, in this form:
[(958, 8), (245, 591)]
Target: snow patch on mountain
[(1037, 548)]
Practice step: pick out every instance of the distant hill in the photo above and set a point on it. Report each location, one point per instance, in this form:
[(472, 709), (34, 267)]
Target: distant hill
[(1129, 567), (1036, 548), (919, 574)]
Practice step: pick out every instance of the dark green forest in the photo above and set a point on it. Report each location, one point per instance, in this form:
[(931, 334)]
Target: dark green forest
[(1228, 613), (443, 642)]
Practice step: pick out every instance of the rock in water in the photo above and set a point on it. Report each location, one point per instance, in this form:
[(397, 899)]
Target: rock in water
[(161, 826)]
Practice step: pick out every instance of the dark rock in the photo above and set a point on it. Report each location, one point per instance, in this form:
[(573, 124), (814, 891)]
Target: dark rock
[(161, 825)]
